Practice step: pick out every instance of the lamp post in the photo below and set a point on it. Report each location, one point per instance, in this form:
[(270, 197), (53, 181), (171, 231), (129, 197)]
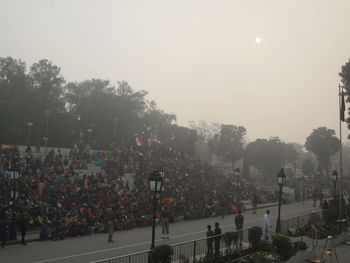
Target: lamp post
[(334, 177), (237, 175), (29, 126), (281, 180), (13, 176), (46, 114), (155, 187), (90, 130)]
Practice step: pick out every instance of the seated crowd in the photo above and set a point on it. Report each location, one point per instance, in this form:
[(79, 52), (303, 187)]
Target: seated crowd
[(58, 195)]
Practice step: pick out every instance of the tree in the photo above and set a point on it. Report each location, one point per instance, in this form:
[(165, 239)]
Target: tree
[(268, 156), (308, 167), (228, 143), (323, 143)]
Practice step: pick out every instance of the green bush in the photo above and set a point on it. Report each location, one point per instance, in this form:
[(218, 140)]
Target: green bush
[(282, 246), (254, 235), (331, 214), (299, 246), (162, 254), (230, 237), (263, 246)]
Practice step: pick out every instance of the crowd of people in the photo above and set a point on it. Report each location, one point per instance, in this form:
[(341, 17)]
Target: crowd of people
[(58, 194)]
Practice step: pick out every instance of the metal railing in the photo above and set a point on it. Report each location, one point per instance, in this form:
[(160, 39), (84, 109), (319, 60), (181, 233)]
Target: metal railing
[(294, 222), (192, 251)]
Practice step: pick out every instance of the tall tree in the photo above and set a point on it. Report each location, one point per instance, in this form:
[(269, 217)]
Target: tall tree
[(323, 143), (268, 156), (228, 143), (308, 167)]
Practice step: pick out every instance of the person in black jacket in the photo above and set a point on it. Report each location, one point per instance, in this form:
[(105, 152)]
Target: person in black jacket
[(217, 233), (210, 234), (4, 229)]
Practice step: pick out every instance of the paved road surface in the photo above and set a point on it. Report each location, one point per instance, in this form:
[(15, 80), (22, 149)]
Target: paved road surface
[(90, 248)]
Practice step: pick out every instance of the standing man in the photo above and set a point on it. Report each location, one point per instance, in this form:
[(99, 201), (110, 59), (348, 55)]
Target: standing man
[(217, 233), (110, 224), (165, 222), (4, 229), (267, 227), (255, 203), (239, 219), (210, 234), (23, 226)]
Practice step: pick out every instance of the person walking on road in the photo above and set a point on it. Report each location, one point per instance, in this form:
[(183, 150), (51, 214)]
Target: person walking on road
[(239, 219), (255, 203), (165, 222), (23, 226), (217, 233), (267, 227), (4, 229), (210, 234), (110, 224)]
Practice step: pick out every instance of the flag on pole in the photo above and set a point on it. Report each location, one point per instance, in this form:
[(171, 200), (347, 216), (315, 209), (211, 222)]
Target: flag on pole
[(342, 107), (139, 140)]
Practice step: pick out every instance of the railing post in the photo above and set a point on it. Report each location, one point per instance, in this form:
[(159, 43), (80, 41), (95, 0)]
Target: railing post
[(194, 250)]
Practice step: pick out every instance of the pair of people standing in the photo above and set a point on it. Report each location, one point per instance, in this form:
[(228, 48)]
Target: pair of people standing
[(214, 237)]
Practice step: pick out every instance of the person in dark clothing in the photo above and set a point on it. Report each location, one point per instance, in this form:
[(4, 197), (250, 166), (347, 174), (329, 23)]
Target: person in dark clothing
[(239, 218), (217, 233), (110, 224), (23, 226), (255, 203), (4, 231), (210, 234)]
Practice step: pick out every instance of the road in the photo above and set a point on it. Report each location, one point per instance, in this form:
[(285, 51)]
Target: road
[(90, 248)]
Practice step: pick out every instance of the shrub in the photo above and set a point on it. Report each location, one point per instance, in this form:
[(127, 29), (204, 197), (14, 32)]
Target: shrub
[(299, 246), (282, 246), (230, 237), (254, 235), (263, 246), (162, 254), (331, 214)]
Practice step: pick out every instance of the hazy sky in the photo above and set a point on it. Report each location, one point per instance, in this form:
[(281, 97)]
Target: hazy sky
[(198, 59)]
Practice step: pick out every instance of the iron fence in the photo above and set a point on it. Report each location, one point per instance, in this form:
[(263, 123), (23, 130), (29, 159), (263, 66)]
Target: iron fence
[(191, 251), (289, 224)]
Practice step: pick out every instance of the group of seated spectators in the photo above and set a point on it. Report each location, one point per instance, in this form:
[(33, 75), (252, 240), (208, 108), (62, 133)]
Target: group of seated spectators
[(64, 199)]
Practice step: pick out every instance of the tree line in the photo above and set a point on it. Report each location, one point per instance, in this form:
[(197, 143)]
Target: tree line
[(37, 102)]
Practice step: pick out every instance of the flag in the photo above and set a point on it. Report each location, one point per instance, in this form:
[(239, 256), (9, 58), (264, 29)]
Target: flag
[(139, 140), (342, 107)]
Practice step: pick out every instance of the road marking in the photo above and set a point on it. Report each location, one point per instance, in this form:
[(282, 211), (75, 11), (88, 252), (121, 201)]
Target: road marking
[(147, 242)]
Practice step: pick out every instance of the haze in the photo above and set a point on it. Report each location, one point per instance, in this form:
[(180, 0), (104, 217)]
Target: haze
[(198, 59)]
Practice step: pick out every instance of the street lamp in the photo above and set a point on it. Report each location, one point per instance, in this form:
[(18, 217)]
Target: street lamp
[(237, 174), (334, 178), (90, 130), (281, 180), (13, 176), (46, 114), (30, 126), (155, 187)]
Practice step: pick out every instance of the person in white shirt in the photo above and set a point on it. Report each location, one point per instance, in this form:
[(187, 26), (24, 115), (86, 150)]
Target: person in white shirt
[(267, 227)]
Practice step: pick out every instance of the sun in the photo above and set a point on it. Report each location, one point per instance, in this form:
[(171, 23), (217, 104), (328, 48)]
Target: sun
[(258, 40)]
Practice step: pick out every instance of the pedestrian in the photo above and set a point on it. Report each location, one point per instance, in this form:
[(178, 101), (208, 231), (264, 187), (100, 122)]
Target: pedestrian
[(217, 233), (255, 203), (23, 226), (239, 219), (267, 227), (210, 234), (4, 230), (110, 224), (165, 215)]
